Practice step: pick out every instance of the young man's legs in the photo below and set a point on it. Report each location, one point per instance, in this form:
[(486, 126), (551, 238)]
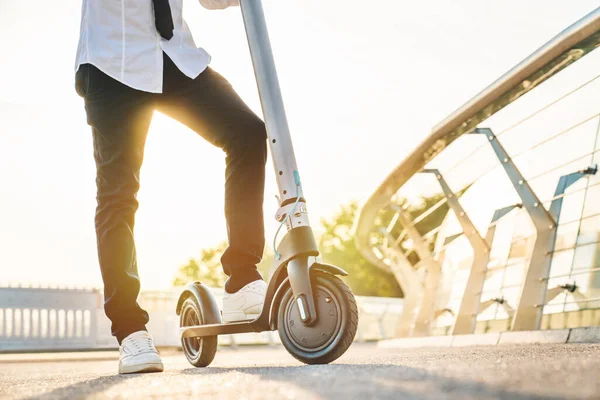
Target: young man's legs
[(210, 107), (120, 118)]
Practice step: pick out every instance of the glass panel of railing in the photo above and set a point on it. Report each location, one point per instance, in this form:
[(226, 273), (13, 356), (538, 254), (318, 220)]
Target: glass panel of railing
[(592, 202), (566, 235)]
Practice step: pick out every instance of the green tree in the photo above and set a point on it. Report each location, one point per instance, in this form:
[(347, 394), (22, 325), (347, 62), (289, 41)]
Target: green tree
[(207, 269), (337, 247)]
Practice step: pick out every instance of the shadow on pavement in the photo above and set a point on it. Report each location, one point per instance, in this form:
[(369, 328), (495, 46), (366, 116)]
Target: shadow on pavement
[(381, 381), (89, 387)]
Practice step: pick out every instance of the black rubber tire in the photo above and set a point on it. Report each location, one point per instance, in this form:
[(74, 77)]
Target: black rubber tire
[(346, 314), (200, 352)]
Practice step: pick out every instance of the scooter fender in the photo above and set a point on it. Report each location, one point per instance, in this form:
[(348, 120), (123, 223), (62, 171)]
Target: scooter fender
[(206, 299)]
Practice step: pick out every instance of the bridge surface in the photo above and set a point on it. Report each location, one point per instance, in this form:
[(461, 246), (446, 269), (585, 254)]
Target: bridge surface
[(365, 372)]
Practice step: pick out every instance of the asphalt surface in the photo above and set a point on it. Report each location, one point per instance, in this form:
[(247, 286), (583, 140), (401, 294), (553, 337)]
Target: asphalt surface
[(365, 372)]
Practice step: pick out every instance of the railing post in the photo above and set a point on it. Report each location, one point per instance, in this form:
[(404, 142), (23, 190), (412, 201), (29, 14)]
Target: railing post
[(409, 280), (433, 272), (469, 305), (563, 184), (528, 314), (476, 288)]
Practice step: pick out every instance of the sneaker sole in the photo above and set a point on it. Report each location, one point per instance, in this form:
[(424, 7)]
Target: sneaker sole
[(141, 368)]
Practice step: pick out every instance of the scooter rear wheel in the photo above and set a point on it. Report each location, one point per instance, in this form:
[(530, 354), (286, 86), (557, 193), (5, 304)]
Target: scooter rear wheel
[(334, 331), (200, 351)]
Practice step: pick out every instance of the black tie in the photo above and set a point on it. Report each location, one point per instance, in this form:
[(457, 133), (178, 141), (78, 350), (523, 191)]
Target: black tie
[(163, 18)]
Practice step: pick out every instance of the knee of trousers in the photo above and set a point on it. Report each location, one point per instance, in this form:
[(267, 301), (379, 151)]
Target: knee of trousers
[(252, 142)]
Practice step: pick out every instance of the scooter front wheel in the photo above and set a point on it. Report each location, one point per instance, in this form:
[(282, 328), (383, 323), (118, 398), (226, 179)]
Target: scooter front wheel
[(334, 331), (200, 351)]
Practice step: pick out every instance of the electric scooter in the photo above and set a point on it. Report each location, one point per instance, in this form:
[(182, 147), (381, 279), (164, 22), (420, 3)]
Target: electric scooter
[(314, 312)]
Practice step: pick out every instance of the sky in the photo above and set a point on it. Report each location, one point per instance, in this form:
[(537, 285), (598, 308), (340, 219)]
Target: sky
[(363, 84)]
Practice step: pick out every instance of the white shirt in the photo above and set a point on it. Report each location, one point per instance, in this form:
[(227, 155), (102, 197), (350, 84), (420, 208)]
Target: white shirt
[(119, 37)]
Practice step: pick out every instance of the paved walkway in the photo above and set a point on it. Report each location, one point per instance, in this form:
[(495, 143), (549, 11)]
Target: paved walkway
[(366, 372)]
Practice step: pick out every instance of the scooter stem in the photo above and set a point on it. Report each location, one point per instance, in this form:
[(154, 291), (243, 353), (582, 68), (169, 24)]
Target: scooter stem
[(271, 100), (292, 205)]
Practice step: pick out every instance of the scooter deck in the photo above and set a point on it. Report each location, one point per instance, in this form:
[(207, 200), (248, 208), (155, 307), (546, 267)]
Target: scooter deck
[(221, 329)]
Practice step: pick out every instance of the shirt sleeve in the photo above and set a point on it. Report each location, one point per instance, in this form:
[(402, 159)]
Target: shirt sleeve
[(219, 4)]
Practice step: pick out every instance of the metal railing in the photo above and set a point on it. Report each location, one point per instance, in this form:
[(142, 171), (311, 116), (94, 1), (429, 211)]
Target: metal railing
[(47, 318), (373, 234)]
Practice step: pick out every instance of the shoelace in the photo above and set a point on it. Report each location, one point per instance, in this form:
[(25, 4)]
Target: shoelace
[(141, 345)]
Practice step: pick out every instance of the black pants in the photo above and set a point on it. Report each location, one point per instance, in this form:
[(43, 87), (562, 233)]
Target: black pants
[(120, 117)]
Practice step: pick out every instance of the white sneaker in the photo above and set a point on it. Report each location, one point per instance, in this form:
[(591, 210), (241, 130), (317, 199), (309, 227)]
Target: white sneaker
[(138, 354), (246, 303)]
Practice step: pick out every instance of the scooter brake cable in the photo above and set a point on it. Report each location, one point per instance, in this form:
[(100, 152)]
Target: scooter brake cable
[(298, 196)]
